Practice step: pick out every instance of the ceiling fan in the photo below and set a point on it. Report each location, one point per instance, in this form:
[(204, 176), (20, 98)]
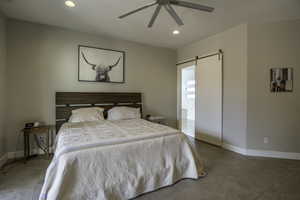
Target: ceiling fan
[(167, 4)]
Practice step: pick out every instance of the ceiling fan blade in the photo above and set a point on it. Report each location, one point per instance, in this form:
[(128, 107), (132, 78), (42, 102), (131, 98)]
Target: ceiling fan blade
[(156, 12), (192, 5), (173, 13), (137, 10)]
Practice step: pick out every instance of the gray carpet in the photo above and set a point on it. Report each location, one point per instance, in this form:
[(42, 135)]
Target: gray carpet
[(230, 177)]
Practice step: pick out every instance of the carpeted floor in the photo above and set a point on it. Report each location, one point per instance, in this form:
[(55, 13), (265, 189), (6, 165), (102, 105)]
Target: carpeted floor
[(230, 177)]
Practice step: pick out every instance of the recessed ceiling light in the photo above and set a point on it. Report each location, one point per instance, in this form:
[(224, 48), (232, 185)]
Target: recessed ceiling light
[(176, 32), (70, 4)]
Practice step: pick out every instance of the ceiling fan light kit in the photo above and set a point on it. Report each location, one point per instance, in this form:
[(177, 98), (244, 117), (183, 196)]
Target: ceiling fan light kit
[(70, 4), (176, 32), (167, 4)]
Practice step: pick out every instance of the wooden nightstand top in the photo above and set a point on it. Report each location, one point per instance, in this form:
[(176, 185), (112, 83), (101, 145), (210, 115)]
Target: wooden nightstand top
[(157, 119), (39, 129)]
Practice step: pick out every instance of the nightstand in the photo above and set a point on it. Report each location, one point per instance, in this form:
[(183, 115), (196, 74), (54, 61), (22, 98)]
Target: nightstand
[(157, 119), (49, 130)]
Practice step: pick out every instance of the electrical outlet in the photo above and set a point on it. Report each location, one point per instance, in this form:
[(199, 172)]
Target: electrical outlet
[(266, 140)]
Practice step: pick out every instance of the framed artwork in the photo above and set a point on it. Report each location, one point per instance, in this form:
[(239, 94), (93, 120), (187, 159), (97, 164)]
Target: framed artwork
[(100, 65), (281, 80)]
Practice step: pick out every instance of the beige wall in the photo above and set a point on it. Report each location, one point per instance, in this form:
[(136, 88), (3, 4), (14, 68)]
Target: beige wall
[(273, 115), (234, 44), (2, 82), (251, 111), (43, 59)]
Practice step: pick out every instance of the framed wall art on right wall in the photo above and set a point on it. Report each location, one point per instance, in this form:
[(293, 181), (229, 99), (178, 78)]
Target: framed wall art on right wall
[(281, 79)]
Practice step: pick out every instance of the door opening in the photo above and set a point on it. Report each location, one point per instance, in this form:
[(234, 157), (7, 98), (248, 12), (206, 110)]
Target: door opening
[(188, 100)]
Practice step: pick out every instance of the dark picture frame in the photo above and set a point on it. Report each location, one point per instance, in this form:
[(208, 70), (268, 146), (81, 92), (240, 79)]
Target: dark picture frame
[(100, 65), (281, 79)]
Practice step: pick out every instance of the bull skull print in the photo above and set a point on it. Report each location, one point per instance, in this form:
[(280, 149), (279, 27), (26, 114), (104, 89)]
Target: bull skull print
[(102, 71)]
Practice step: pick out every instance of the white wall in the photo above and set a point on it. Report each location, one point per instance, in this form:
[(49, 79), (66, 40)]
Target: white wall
[(273, 115), (2, 82), (234, 44), (43, 59)]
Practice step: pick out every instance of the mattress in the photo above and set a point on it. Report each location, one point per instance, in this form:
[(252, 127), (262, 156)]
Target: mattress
[(114, 160)]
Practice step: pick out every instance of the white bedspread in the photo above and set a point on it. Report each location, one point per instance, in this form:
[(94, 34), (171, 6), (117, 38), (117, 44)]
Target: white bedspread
[(112, 160)]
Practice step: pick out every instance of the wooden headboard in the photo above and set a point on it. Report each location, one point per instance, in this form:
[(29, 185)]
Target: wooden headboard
[(68, 101)]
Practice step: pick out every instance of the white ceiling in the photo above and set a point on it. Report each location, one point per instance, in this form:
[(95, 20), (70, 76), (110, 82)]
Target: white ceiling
[(100, 17)]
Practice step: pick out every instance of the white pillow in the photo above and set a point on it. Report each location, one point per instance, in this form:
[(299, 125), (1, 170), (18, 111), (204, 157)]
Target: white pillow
[(119, 113), (87, 114)]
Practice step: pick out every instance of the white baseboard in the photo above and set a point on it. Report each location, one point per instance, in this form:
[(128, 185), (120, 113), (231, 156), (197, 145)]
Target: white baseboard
[(16, 154), (274, 154), (20, 154), (243, 151), (234, 149), (262, 153), (3, 160)]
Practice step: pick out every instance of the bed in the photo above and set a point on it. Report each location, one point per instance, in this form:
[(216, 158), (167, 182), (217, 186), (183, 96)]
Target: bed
[(120, 159)]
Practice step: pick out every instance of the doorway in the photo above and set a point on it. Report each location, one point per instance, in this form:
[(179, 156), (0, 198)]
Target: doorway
[(187, 98)]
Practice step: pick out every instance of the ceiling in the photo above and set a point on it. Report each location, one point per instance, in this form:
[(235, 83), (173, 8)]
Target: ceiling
[(100, 17)]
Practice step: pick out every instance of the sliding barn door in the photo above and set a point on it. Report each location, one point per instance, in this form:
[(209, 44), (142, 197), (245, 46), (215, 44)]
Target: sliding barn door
[(209, 99)]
